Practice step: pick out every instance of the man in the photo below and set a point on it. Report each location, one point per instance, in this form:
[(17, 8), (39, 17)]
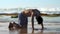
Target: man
[(36, 13), (23, 18)]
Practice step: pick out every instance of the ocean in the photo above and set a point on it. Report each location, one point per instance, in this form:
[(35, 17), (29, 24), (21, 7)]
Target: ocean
[(46, 19)]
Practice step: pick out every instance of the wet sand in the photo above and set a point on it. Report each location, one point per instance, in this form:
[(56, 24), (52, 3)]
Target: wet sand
[(53, 28)]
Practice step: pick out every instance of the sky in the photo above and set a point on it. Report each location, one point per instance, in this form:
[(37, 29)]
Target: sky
[(30, 3)]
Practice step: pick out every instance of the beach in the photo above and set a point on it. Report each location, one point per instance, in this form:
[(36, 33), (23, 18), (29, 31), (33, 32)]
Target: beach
[(17, 12), (49, 28)]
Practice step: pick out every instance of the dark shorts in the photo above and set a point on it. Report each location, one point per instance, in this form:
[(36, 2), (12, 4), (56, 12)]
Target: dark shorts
[(39, 19)]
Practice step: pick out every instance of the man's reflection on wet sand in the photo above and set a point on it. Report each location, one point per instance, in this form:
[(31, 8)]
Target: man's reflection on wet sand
[(23, 31), (38, 32), (20, 31), (13, 32)]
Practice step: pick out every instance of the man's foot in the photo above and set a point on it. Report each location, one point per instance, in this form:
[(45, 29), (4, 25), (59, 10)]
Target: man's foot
[(17, 26), (10, 26), (42, 28)]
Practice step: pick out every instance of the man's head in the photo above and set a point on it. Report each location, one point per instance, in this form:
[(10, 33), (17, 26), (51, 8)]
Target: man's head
[(27, 12)]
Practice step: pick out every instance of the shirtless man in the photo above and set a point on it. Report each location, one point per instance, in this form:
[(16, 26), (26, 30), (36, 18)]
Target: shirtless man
[(36, 13), (23, 17)]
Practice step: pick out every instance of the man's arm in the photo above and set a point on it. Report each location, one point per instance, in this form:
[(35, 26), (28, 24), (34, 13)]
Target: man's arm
[(32, 19), (32, 22)]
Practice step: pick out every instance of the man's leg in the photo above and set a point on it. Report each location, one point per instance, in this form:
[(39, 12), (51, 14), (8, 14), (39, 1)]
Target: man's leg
[(16, 25), (42, 26), (33, 25), (40, 21), (24, 22)]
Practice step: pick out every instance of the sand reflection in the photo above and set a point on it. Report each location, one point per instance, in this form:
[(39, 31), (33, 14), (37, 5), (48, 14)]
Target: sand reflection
[(23, 31), (37, 32), (20, 31)]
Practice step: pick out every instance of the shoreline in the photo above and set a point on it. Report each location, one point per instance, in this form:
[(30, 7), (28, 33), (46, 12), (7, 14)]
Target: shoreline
[(51, 29)]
